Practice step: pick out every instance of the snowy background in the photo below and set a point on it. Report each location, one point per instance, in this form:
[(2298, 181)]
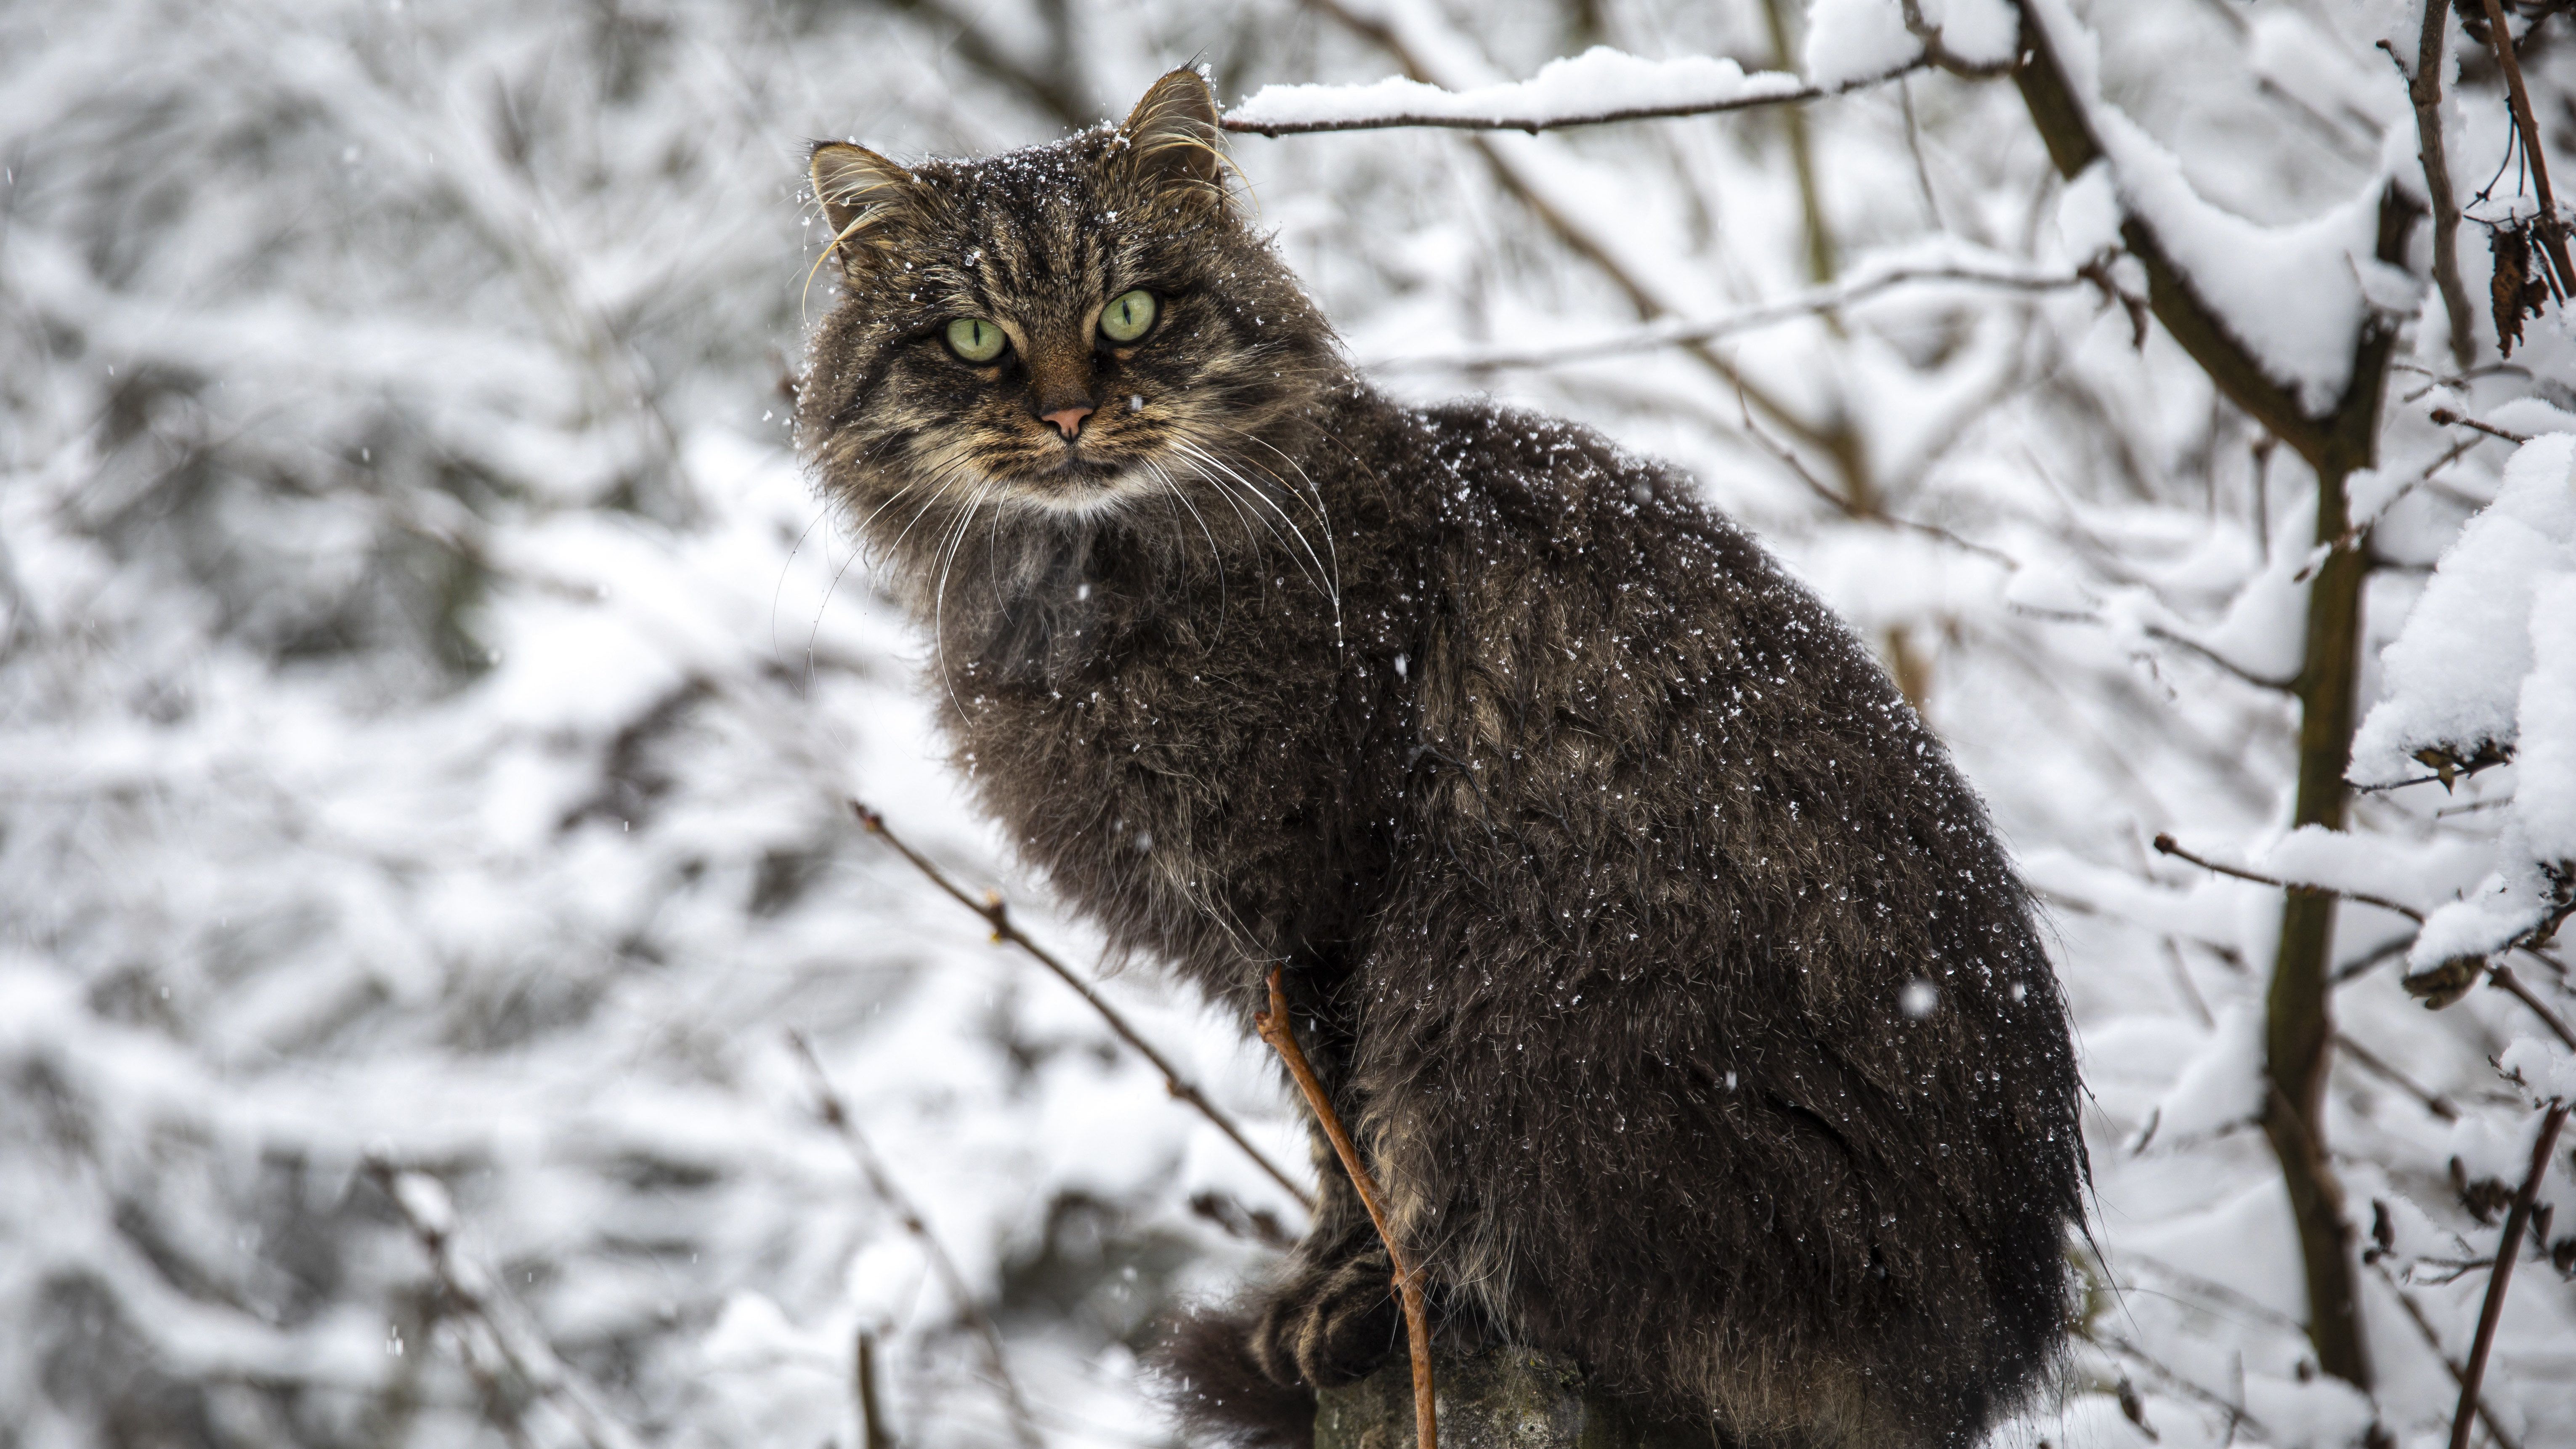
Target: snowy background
[(430, 696)]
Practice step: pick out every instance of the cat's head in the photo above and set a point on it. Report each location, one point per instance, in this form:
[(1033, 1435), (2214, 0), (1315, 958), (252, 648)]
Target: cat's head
[(1064, 332)]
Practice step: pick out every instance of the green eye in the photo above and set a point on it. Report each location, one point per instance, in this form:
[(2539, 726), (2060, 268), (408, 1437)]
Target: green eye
[(1127, 316), (975, 339)]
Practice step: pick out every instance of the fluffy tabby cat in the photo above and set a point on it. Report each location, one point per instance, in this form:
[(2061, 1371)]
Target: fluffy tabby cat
[(1670, 978)]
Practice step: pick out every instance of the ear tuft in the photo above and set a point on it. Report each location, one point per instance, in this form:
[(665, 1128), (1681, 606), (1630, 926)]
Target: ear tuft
[(1173, 137), (859, 190)]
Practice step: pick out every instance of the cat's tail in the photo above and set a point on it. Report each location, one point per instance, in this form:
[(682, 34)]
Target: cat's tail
[(1204, 1372)]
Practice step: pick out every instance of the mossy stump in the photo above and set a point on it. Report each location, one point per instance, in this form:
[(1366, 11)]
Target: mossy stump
[(1499, 1398)]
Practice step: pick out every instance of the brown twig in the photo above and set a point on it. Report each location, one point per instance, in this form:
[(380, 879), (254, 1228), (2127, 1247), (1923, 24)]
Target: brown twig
[(2424, 89), (2237, 1418), (2450, 419), (2503, 976), (2553, 232), (2434, 1102), (863, 1388), (2509, 1247), (836, 1114), (1277, 1029), (997, 914), (519, 1346), (2433, 1340)]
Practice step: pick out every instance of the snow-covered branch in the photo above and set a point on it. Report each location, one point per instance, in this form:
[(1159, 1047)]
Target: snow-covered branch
[(1595, 88)]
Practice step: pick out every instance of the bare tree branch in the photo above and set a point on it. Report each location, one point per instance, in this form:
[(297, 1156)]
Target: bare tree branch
[(2509, 1246), (2424, 89), (1841, 444), (2450, 419), (1678, 331), (2433, 1340), (2497, 973), (2370, 1061), (997, 914), (1056, 90)]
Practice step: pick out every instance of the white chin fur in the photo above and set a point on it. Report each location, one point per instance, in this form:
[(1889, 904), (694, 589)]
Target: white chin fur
[(1084, 502)]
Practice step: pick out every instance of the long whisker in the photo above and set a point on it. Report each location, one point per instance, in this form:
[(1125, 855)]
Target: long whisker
[(779, 591), (1315, 575), (1216, 554), (1254, 523), (1314, 498)]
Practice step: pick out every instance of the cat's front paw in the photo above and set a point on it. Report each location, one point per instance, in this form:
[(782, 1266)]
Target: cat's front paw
[(1331, 1323)]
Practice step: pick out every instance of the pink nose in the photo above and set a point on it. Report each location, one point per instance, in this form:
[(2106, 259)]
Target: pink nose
[(1068, 421)]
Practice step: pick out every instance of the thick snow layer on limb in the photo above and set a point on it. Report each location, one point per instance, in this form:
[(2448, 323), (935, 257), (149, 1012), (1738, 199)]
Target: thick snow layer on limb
[(2484, 665), (2455, 673), (2538, 845), (2294, 296), (1598, 84)]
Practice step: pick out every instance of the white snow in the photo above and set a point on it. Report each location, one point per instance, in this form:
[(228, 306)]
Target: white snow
[(2291, 294), (2222, 1084), (2547, 1070), (1599, 82), (1848, 40), (2455, 672)]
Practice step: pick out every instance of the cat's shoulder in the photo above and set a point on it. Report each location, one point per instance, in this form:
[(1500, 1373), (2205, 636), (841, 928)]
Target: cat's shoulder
[(1573, 486)]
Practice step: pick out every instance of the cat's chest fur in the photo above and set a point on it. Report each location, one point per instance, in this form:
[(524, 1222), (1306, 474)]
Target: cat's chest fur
[(1196, 763)]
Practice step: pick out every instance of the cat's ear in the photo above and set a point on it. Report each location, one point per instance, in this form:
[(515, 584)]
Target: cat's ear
[(1173, 139), (860, 191)]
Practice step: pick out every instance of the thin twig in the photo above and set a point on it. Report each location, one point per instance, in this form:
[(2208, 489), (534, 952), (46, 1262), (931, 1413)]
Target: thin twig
[(836, 1115), (2236, 1416), (1678, 332), (2434, 1102), (997, 914), (2450, 419), (2165, 845), (1277, 1029), (521, 1347), (2503, 976), (2509, 1247), (1858, 511), (2553, 232), (2433, 1341)]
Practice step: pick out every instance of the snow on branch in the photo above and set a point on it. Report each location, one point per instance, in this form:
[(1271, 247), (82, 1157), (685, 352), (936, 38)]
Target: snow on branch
[(1598, 86), (1851, 45), (2283, 319)]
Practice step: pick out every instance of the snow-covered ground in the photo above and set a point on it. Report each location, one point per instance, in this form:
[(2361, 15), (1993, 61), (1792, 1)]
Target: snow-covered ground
[(430, 697)]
